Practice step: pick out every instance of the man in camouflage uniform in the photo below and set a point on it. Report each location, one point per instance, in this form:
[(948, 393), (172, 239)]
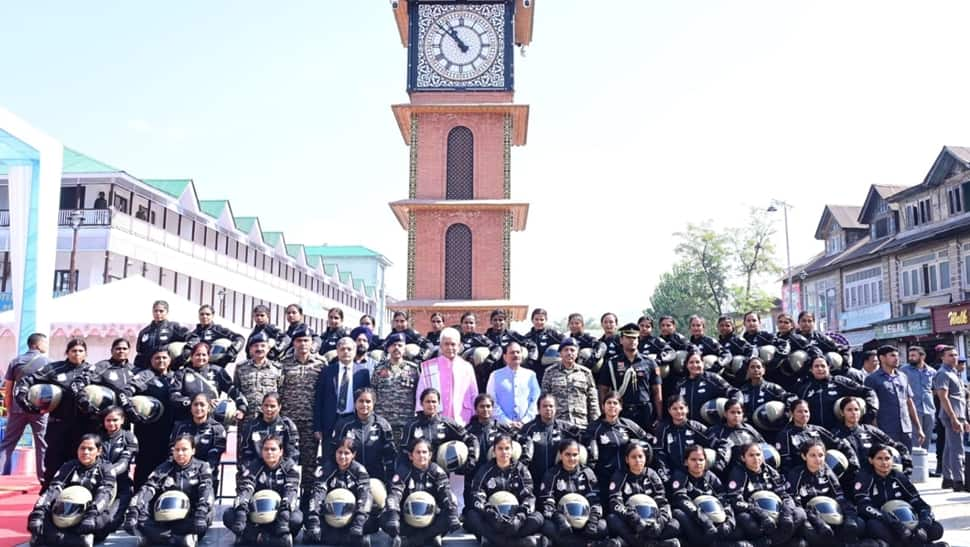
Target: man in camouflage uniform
[(300, 373), (573, 387), (255, 378), (395, 381)]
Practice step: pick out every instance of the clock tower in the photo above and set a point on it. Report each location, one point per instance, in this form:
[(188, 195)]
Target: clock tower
[(460, 124)]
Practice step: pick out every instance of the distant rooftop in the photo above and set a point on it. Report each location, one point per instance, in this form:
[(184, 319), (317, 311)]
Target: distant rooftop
[(340, 250)]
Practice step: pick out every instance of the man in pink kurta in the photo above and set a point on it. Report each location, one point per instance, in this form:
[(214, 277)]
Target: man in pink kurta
[(453, 376)]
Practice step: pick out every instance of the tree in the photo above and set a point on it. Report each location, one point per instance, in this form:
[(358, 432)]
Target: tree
[(718, 272), (681, 292), (705, 252)]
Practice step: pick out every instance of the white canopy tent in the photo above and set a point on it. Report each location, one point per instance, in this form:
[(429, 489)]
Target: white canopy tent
[(104, 312)]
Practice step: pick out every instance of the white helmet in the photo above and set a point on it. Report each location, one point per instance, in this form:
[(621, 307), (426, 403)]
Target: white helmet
[(900, 511), (172, 505), (378, 492), (575, 507), (225, 412), (330, 355), (419, 509), (709, 361), (45, 397), (411, 351), (478, 355), (175, 350), (100, 397), (771, 455), (767, 501), (452, 455), (149, 408), (827, 508), (644, 507), (771, 416), (836, 461), (710, 456), (583, 454), (266, 503), (219, 352), (835, 361), (70, 506), (339, 507), (713, 410), (767, 353), (794, 363), (712, 507), (551, 355), (896, 457), (504, 502)]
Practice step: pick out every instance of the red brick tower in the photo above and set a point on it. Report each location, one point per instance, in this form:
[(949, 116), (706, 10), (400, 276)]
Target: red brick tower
[(461, 124)]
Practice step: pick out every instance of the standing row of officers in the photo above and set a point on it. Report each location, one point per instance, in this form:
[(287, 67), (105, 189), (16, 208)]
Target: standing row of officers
[(629, 439)]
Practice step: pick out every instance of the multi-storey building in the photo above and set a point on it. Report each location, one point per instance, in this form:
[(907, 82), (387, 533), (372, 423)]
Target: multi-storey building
[(198, 249), (898, 267)]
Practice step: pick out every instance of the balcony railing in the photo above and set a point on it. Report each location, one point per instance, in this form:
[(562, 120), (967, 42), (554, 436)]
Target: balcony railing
[(91, 217)]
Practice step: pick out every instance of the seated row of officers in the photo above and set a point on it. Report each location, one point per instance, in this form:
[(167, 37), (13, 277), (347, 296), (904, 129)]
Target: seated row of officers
[(808, 469)]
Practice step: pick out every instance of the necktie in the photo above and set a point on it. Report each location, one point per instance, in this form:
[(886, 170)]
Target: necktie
[(343, 389)]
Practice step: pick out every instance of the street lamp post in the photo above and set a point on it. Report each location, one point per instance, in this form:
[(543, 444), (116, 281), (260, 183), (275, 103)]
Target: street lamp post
[(775, 203), (77, 218)]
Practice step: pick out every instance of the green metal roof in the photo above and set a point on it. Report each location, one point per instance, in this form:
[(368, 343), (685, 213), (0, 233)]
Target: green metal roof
[(371, 291), (340, 250), (347, 278), (212, 207), (76, 162), (245, 224), (359, 284), (329, 269), (272, 238), (293, 249), (172, 187)]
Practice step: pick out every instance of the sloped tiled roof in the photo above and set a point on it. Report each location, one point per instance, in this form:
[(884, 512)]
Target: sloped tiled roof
[(886, 190), (172, 187), (293, 249), (876, 193), (846, 216), (272, 238), (76, 162), (245, 224), (329, 269)]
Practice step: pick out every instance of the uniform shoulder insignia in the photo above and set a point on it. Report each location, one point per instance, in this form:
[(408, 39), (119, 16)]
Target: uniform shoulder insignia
[(733, 484), (675, 484)]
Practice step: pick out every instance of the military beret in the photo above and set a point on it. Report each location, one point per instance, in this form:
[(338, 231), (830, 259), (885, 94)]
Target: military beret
[(301, 331), (568, 341), (258, 337), (393, 339)]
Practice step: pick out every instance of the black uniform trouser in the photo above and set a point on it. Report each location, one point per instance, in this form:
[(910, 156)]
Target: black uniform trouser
[(265, 533), (423, 536), (695, 535), (878, 529), (751, 529), (62, 436), (848, 532), (152, 449), (163, 532), (70, 537), (573, 538), (482, 526), (618, 526), (116, 511), (641, 414), (341, 536)]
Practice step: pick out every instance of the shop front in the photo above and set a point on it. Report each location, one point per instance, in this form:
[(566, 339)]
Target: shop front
[(953, 320), (911, 330)]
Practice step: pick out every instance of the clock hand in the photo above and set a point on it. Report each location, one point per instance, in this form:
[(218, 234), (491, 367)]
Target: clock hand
[(454, 36)]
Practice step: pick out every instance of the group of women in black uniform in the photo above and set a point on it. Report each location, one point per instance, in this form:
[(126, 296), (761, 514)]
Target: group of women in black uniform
[(787, 462)]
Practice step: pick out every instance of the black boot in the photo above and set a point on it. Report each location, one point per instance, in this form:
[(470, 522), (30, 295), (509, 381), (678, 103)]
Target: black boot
[(947, 483)]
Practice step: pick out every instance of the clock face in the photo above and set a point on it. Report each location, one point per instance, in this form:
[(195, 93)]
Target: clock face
[(460, 46)]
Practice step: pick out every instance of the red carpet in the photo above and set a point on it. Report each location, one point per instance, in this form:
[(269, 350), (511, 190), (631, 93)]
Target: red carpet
[(17, 497)]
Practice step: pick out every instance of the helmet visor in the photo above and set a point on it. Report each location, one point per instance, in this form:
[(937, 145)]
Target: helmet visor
[(646, 512), (172, 503), (505, 508), (826, 507), (340, 508), (68, 509), (264, 505), (420, 508), (576, 509), (904, 514), (709, 507), (768, 504)]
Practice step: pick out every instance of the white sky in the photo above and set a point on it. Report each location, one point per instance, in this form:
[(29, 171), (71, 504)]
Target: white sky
[(645, 116)]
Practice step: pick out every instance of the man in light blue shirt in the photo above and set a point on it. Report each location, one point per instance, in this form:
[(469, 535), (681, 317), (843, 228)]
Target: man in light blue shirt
[(921, 382), (897, 414), (514, 388)]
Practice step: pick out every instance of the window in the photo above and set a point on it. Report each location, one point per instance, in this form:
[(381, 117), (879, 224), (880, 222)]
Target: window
[(919, 213), (834, 243), (863, 288), (909, 309), (954, 200), (458, 262), (926, 274), (62, 280), (881, 228), (461, 164)]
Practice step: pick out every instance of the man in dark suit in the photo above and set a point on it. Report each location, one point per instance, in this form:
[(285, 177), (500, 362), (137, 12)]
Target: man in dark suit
[(335, 391)]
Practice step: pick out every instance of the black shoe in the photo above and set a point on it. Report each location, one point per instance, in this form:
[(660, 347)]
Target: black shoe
[(959, 487), (935, 474), (947, 483)]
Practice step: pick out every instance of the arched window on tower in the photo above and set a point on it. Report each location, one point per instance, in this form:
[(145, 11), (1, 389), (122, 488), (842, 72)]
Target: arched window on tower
[(458, 262), (461, 164)]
